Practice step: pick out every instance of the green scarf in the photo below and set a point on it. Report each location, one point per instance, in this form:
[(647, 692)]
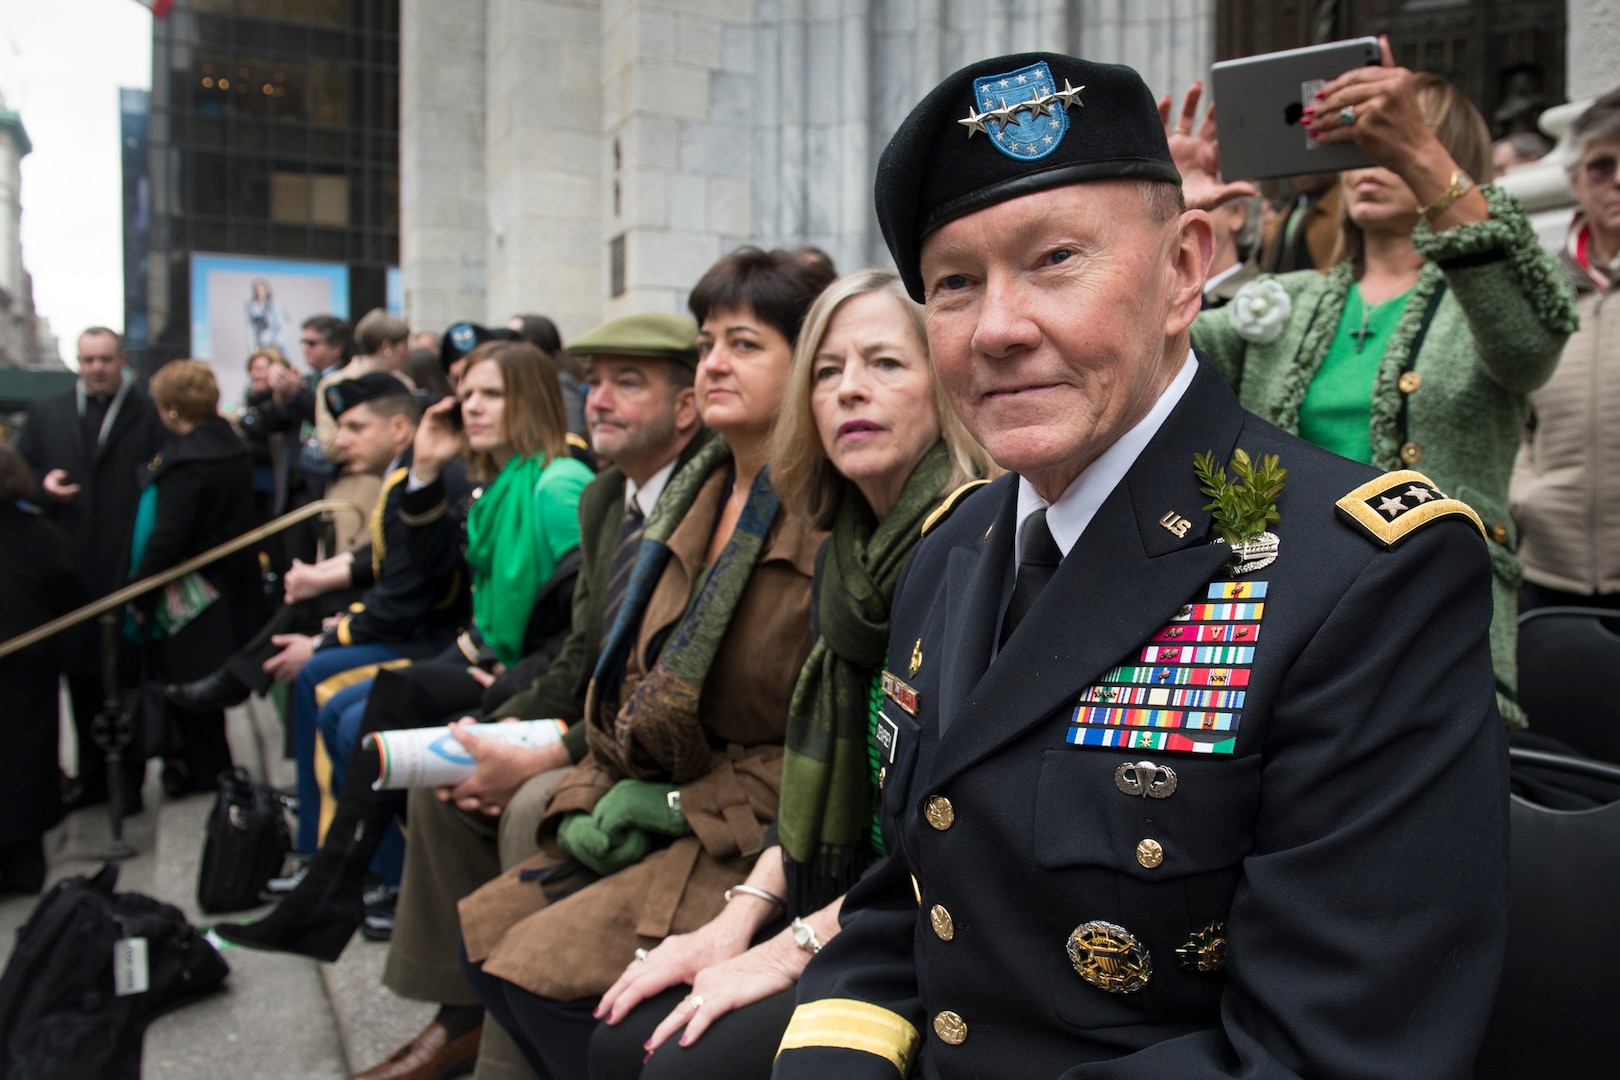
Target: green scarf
[(501, 528), (658, 732), (825, 816)]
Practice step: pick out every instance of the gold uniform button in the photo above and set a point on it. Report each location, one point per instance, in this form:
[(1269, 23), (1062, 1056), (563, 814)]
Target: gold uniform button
[(1411, 453), (1149, 853), (940, 813), (1499, 532), (883, 774), (1410, 381), (951, 1029), (944, 926)]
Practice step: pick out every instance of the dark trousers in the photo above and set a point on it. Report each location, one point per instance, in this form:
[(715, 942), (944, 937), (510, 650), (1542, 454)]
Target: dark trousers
[(555, 1036), (741, 1045), (1539, 596), (304, 617)]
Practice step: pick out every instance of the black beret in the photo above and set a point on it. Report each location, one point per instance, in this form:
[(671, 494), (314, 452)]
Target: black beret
[(1006, 127), (464, 337), (345, 394)]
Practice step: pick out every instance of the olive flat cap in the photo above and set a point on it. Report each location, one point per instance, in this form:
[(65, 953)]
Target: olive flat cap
[(1010, 126), (656, 337), (345, 394)]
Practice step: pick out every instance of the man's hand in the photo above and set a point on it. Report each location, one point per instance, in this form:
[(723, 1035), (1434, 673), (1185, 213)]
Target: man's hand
[(296, 649), (57, 487), (304, 581), (284, 384), (499, 770)]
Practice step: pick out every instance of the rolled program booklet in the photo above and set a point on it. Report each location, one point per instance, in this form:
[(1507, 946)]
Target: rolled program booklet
[(433, 757)]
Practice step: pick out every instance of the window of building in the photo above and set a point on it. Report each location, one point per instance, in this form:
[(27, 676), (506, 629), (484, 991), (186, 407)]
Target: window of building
[(309, 199)]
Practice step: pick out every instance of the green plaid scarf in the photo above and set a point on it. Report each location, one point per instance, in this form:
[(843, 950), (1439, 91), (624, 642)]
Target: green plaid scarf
[(657, 732), (825, 817)]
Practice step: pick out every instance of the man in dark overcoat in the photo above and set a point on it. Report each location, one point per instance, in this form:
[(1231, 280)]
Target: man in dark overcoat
[(87, 446), (1188, 771)]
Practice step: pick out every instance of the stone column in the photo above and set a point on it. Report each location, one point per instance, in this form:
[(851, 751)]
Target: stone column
[(442, 213), (543, 162)]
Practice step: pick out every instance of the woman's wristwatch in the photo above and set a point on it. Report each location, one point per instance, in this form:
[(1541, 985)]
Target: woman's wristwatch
[(805, 937)]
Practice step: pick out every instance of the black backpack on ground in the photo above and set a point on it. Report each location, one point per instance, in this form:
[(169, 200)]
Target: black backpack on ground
[(60, 1015), (246, 843)]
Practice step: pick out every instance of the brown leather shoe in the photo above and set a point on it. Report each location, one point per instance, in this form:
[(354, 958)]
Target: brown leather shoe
[(432, 1055)]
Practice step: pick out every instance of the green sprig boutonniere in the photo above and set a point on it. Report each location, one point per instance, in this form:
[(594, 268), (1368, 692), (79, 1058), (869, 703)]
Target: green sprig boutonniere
[(1243, 507)]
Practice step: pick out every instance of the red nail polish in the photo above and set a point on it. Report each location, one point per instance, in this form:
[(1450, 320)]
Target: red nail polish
[(1309, 110), (646, 1057), (647, 1046), (1321, 94)]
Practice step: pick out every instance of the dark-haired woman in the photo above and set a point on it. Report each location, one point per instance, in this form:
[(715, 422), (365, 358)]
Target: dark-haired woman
[(1419, 349), (40, 581), (688, 702)]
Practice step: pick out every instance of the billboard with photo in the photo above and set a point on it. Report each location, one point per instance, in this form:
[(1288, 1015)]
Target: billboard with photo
[(241, 303)]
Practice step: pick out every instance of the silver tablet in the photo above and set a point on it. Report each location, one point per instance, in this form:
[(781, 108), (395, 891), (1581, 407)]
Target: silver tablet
[(1258, 102)]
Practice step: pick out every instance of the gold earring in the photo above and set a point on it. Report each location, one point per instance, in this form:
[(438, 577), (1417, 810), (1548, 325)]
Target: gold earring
[(173, 414)]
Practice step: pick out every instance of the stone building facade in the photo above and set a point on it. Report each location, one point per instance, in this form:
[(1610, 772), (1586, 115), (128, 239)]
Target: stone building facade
[(25, 341), (586, 159)]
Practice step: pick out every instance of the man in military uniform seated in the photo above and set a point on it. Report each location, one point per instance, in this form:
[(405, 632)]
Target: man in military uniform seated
[(1189, 770)]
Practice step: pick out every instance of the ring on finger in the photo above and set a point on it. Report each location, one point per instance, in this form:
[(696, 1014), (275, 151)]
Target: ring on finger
[(1182, 129), (694, 1000), (1347, 115), (641, 956)]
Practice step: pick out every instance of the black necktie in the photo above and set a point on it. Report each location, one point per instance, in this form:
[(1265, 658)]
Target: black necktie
[(624, 558), (1038, 558)]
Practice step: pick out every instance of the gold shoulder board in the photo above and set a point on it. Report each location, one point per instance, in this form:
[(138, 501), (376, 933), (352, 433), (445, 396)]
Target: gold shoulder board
[(945, 508), (1398, 502)]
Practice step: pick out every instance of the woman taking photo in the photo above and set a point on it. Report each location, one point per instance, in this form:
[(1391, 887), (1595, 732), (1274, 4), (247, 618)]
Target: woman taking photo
[(687, 706), (513, 437), (198, 493), (868, 447), (1419, 349)]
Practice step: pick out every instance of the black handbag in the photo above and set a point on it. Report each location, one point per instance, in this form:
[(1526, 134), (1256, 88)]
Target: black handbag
[(246, 843), (91, 969)]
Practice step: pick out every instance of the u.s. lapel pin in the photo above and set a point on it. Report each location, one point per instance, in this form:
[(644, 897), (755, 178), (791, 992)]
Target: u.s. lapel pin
[(916, 660), (1175, 523)]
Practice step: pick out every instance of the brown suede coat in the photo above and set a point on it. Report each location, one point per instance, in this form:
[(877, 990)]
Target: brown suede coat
[(576, 947)]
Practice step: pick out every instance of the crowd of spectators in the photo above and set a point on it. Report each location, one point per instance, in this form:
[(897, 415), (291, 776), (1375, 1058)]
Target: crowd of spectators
[(681, 536)]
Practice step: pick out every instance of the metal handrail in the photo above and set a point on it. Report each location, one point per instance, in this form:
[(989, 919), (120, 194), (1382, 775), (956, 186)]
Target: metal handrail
[(146, 585)]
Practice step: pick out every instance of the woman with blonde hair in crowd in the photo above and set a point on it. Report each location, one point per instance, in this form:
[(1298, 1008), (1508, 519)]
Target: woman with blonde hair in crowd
[(1420, 347), (197, 494), (867, 447)]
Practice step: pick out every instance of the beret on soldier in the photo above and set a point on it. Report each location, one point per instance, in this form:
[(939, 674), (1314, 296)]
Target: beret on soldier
[(660, 337), (464, 337), (345, 394), (1010, 126)]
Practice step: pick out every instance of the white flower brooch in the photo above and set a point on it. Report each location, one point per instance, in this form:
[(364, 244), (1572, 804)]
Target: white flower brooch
[(1260, 310)]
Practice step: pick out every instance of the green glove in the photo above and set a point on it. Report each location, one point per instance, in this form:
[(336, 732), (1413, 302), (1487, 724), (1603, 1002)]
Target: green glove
[(640, 804), (581, 838)]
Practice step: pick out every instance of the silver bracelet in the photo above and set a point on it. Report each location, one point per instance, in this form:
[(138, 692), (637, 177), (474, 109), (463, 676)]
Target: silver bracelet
[(749, 890)]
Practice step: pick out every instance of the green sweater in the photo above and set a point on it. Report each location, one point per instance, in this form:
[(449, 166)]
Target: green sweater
[(1495, 335)]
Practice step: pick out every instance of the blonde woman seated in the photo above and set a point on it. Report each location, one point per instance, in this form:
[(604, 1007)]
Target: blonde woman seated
[(867, 447)]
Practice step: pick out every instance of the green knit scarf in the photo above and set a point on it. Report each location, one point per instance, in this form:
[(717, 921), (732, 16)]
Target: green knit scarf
[(825, 816)]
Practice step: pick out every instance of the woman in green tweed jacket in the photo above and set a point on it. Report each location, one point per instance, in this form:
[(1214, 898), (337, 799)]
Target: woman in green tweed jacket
[(1419, 349)]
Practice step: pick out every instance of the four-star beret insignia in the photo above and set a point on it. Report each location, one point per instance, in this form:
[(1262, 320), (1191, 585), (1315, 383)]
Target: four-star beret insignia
[(1394, 504), (1014, 104)]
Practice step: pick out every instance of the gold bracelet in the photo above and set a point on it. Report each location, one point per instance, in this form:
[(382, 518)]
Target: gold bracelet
[(1460, 183)]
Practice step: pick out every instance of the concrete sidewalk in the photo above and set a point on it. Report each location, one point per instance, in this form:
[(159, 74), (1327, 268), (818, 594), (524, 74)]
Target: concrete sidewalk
[(278, 1017)]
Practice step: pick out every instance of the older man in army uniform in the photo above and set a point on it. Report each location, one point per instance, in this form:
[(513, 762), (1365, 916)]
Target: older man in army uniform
[(1189, 770)]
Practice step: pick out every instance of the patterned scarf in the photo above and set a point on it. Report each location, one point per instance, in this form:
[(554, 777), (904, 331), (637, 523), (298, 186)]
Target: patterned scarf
[(825, 817), (657, 733)]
